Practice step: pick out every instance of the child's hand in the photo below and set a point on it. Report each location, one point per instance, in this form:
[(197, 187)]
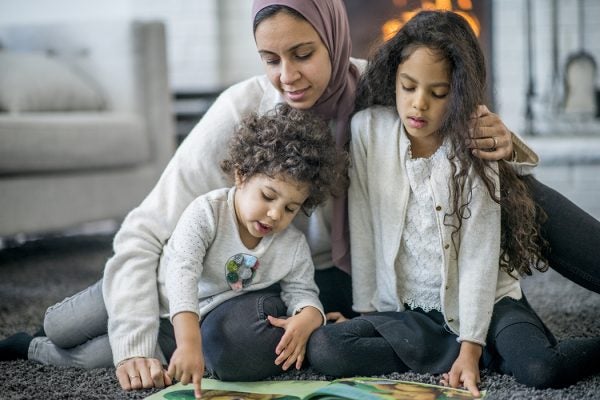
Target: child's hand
[(335, 317), (187, 365), (292, 347), (465, 369), (187, 362)]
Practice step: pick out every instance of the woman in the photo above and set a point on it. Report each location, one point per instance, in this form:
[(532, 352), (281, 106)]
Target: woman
[(305, 47)]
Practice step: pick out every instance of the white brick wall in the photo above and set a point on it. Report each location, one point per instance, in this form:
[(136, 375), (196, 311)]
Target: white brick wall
[(204, 54), (572, 167), (210, 41), (510, 54), (239, 59), (569, 164), (192, 37)]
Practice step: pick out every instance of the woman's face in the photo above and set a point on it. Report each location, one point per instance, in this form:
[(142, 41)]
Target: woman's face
[(295, 58)]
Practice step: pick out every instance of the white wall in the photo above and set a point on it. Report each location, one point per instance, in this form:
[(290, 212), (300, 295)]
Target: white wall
[(203, 54), (239, 58), (510, 55), (42, 11)]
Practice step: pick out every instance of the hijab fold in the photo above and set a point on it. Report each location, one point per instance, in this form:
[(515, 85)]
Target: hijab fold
[(329, 19)]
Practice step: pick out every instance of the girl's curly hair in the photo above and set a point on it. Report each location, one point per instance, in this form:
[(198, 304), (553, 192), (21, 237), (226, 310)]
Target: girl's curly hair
[(290, 144), (449, 36)]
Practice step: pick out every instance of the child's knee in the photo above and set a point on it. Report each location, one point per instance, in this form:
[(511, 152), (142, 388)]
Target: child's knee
[(539, 373), (325, 354), (232, 360)]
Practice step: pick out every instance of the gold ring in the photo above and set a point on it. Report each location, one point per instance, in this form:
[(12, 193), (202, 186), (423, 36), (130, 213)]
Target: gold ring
[(495, 142)]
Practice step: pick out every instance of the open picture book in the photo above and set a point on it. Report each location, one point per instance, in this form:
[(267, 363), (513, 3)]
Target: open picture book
[(350, 389)]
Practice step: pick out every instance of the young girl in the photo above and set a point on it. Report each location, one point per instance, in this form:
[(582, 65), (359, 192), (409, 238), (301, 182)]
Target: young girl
[(227, 243), (434, 275)]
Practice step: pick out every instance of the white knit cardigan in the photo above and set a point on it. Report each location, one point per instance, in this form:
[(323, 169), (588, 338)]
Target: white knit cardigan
[(378, 195)]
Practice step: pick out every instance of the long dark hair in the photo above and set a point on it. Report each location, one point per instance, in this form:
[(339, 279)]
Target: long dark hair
[(449, 36)]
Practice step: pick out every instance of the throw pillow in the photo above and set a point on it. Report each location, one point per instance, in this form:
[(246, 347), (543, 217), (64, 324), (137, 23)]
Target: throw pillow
[(35, 82)]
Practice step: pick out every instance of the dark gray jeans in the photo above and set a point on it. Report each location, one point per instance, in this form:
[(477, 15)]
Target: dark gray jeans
[(76, 330)]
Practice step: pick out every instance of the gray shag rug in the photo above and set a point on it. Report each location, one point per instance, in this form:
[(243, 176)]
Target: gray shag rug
[(38, 274)]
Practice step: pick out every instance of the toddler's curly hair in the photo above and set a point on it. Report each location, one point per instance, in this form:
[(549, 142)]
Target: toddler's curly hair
[(290, 144)]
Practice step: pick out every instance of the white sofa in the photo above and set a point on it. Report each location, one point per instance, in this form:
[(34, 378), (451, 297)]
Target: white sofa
[(86, 132)]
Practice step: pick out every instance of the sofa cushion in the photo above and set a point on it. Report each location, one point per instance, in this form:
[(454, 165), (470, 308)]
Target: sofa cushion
[(35, 82), (46, 142)]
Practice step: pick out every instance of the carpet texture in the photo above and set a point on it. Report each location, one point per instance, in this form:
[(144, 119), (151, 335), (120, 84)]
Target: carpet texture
[(38, 274)]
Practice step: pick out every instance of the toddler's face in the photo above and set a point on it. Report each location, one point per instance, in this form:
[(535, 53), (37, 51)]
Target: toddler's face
[(422, 95), (265, 205)]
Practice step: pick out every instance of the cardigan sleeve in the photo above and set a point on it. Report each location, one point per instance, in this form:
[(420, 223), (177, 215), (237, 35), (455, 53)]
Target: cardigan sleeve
[(526, 159), (298, 287), (184, 256), (478, 266), (364, 282), (129, 283)]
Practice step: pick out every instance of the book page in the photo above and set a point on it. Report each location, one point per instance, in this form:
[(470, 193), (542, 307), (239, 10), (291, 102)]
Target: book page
[(282, 389)]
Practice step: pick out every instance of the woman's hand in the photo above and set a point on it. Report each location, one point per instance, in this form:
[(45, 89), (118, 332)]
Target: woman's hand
[(492, 140), (292, 347), (465, 370), (140, 372)]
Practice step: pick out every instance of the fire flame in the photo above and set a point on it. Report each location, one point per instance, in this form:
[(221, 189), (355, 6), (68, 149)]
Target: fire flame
[(390, 27)]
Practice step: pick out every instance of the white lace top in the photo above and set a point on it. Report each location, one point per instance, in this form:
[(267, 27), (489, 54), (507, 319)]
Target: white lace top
[(419, 263)]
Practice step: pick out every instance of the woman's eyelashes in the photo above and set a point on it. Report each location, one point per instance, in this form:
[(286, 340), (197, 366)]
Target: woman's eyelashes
[(298, 56), (304, 56), (270, 61)]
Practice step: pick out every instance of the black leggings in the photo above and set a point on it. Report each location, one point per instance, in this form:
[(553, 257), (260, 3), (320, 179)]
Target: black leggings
[(521, 345), (518, 343), (573, 235)]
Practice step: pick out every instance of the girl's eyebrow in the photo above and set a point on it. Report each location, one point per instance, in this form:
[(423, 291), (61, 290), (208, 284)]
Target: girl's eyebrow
[(434, 84), (291, 49)]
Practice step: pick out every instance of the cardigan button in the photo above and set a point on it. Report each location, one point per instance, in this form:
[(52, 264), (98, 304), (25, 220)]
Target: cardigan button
[(438, 208), (447, 287), (450, 319), (446, 246)]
